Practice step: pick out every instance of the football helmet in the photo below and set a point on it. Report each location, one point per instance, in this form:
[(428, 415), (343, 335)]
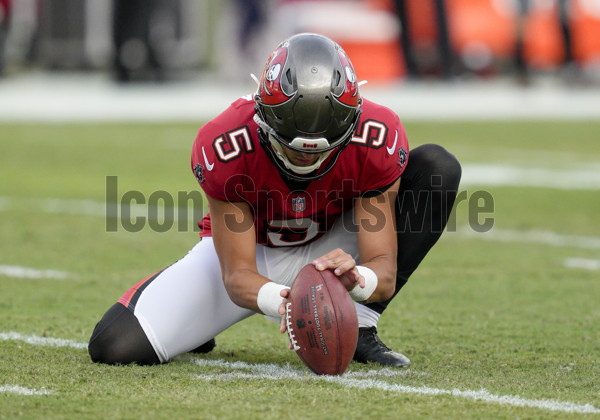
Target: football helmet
[(308, 101)]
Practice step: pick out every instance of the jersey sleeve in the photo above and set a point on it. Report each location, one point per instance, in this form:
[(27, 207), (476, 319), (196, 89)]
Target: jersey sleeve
[(385, 164), (222, 179)]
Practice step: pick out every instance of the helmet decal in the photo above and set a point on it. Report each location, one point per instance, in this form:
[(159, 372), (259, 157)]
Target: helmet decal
[(270, 89), (350, 94), (273, 73), (350, 75)]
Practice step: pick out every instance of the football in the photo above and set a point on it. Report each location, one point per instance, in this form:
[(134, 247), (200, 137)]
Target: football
[(321, 321)]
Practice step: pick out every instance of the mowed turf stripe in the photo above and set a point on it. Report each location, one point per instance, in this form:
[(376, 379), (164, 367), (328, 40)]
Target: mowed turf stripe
[(275, 372), (583, 263), (16, 389), (540, 237), (32, 273), (37, 340)]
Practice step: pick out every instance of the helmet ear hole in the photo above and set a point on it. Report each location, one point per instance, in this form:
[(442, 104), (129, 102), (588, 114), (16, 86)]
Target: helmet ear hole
[(338, 78), (288, 75)]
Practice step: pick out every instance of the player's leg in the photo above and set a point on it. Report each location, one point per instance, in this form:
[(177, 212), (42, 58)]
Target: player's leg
[(425, 199), (119, 338), (169, 313), (427, 192)]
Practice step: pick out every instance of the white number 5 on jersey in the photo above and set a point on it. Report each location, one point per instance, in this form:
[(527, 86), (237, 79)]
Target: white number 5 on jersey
[(292, 232)]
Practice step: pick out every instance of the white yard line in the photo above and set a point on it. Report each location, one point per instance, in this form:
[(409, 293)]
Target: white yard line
[(87, 207), (242, 370), (16, 389), (518, 176), (285, 371), (583, 263), (540, 237), (481, 395), (37, 340), (32, 273)]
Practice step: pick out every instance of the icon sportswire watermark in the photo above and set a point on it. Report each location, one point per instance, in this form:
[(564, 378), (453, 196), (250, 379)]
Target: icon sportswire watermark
[(162, 211)]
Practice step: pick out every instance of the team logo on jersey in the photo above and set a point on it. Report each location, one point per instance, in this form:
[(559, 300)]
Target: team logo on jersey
[(402, 154), (199, 173), (298, 204)]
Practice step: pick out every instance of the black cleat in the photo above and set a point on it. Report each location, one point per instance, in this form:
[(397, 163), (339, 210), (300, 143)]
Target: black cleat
[(370, 349), (206, 347)]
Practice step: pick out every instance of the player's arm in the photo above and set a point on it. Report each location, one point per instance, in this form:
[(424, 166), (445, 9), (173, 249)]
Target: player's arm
[(377, 248), (377, 242), (234, 237)]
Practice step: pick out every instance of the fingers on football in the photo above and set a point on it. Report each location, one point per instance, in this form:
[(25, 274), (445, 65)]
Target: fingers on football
[(282, 324), (285, 293), (345, 266), (337, 260)]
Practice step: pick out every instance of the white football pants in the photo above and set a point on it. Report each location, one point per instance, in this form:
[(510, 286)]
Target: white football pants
[(187, 304)]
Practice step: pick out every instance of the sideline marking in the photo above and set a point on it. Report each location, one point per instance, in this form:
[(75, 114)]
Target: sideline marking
[(16, 389), (584, 263), (530, 236), (32, 273), (30, 98), (36, 340), (275, 372)]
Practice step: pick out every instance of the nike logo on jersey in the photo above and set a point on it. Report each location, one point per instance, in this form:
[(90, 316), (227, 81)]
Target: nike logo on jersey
[(390, 150), (209, 166)]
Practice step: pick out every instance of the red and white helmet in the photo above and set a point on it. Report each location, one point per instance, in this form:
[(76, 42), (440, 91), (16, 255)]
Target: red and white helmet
[(307, 100)]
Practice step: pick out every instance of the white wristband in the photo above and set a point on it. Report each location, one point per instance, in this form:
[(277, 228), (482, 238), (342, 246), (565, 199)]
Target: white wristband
[(360, 294), (269, 299)]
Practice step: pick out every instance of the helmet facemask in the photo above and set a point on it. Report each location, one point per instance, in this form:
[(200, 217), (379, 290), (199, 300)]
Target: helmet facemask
[(320, 145)]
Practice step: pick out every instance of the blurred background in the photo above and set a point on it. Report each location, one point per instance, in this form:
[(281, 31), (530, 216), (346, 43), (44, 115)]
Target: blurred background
[(215, 44)]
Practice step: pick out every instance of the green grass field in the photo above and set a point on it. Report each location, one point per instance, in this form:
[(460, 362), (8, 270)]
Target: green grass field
[(496, 325)]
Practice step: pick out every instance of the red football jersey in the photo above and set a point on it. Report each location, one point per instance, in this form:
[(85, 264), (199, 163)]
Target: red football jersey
[(231, 165)]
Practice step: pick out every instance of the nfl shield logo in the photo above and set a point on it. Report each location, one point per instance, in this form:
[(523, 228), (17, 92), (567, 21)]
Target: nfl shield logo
[(402, 154), (298, 204), (199, 172)]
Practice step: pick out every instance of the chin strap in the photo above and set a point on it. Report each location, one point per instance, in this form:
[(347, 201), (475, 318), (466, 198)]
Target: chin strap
[(288, 173), (301, 170), (293, 172)]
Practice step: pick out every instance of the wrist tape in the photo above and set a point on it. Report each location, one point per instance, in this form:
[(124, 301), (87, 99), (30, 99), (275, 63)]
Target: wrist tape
[(269, 299), (360, 294)]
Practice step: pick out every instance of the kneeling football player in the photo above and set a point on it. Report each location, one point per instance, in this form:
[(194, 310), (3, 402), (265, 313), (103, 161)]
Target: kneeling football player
[(303, 171)]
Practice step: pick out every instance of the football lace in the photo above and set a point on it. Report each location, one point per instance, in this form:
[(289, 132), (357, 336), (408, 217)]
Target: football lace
[(290, 330)]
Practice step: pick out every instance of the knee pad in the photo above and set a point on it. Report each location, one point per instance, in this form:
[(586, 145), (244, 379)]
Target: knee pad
[(434, 160), (119, 339)]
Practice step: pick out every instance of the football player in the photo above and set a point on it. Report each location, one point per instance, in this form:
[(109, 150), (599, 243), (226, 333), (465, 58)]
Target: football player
[(303, 171)]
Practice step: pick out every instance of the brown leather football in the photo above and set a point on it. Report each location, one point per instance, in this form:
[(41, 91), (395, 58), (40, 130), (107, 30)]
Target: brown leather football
[(321, 321)]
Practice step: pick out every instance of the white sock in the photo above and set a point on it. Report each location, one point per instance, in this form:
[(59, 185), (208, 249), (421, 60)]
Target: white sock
[(367, 317)]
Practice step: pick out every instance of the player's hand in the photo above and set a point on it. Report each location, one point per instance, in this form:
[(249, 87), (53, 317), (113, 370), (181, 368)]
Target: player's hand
[(343, 266)]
